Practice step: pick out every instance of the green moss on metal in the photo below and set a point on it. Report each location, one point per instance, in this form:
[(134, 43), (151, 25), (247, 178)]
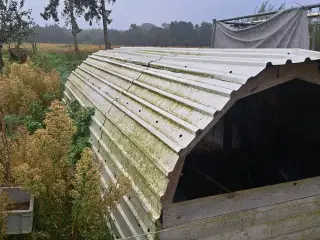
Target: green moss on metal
[(179, 70), (176, 53)]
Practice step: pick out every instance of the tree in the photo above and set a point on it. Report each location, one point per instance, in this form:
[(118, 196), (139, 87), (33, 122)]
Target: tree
[(71, 9), (135, 35), (156, 36), (16, 23), (106, 20), (204, 34), (96, 11), (182, 33), (266, 6)]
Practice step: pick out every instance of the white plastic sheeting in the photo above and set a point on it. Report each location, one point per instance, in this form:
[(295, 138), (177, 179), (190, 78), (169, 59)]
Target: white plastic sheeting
[(286, 29)]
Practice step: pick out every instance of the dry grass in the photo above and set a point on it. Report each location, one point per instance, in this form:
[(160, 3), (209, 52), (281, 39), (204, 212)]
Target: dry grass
[(62, 48)]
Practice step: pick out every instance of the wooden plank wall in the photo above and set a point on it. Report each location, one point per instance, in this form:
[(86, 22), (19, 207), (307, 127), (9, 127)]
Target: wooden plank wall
[(283, 211)]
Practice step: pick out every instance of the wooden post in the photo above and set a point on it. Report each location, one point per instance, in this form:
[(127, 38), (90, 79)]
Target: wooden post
[(33, 48)]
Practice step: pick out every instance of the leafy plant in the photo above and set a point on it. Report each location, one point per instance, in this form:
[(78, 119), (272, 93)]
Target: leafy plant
[(32, 122), (82, 118)]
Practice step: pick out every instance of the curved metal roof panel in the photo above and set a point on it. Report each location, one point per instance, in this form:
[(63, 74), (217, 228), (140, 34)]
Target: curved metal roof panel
[(151, 104)]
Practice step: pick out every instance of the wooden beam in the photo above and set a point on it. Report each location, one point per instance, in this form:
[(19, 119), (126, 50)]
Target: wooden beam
[(259, 223), (188, 211)]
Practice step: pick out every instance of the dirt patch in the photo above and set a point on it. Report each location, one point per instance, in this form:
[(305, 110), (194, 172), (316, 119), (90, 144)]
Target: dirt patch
[(19, 206)]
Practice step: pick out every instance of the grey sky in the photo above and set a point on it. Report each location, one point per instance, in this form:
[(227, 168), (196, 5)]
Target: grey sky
[(157, 12)]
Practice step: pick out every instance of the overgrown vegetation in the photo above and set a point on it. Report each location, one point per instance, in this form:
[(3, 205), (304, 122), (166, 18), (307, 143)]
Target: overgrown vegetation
[(89, 209), (44, 148), (5, 203), (63, 63), (82, 118), (26, 94)]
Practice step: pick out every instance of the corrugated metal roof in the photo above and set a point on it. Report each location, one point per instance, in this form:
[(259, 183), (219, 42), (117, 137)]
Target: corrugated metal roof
[(151, 104)]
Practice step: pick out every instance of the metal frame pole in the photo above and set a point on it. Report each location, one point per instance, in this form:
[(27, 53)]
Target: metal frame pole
[(214, 24), (267, 13)]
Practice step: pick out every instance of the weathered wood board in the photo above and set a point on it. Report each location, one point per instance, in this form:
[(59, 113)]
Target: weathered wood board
[(259, 223), (260, 213)]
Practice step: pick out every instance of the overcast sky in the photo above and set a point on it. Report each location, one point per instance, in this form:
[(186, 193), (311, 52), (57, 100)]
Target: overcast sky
[(157, 12)]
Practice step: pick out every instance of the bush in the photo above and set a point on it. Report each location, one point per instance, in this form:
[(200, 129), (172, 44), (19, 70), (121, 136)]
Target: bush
[(40, 165), (82, 118), (32, 122), (89, 221), (24, 85), (69, 204)]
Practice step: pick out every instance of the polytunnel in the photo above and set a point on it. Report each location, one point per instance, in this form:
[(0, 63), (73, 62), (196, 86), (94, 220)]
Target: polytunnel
[(154, 107)]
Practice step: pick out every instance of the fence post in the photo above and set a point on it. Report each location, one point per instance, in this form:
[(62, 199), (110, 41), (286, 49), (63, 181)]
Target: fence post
[(214, 24)]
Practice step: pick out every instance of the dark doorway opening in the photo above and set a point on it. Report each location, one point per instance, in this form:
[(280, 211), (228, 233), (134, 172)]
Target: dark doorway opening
[(267, 138)]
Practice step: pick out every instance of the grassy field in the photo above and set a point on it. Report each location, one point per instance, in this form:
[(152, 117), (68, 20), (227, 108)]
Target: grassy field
[(60, 48), (59, 56)]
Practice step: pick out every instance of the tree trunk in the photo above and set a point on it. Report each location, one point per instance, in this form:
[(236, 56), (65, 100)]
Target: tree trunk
[(107, 44), (75, 42), (74, 26), (1, 59)]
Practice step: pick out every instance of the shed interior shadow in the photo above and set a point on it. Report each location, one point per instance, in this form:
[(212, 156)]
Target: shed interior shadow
[(267, 138)]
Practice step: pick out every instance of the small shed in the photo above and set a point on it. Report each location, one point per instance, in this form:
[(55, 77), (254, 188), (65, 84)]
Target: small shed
[(217, 143)]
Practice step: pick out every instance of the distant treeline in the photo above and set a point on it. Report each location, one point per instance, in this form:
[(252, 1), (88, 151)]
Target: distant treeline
[(173, 34)]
